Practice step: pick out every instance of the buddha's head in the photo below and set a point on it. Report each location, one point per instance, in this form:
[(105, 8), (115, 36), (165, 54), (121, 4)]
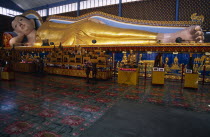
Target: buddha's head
[(23, 25)]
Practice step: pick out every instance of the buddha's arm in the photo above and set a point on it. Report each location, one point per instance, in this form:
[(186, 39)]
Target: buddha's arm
[(91, 28), (50, 30)]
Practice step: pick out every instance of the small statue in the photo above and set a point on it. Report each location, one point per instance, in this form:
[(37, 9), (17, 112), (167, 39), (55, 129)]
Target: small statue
[(124, 59), (79, 50), (175, 65), (195, 17), (27, 56), (195, 68), (196, 60), (207, 61), (166, 60), (176, 60), (207, 64), (83, 52), (167, 69), (118, 64), (149, 67), (140, 60), (132, 58)]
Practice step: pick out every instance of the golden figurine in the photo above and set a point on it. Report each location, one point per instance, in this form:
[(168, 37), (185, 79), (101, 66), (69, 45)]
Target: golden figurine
[(132, 58), (196, 60), (124, 59), (194, 17), (149, 67), (140, 59), (175, 65), (195, 68), (207, 63), (118, 64), (167, 69), (166, 60), (176, 60)]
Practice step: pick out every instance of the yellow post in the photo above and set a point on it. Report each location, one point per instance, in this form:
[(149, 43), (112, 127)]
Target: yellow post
[(191, 80), (158, 77), (128, 76), (7, 75)]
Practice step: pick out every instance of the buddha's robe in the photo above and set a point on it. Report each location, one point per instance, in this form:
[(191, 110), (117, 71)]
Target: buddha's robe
[(83, 32)]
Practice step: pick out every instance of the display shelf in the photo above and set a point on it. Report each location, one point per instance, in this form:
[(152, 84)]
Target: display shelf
[(77, 72)]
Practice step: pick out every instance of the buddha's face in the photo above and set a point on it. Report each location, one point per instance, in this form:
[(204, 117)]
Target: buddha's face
[(22, 25)]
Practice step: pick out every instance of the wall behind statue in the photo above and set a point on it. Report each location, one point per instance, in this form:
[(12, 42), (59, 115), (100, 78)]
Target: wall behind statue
[(69, 14), (158, 10), (201, 7), (112, 9), (5, 25), (150, 10)]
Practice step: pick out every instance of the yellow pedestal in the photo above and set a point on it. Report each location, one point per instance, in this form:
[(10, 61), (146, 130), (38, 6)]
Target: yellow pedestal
[(128, 77), (158, 77), (7, 75), (191, 80)]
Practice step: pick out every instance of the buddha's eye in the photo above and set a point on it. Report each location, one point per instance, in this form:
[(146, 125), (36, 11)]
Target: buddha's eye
[(21, 19), (15, 26)]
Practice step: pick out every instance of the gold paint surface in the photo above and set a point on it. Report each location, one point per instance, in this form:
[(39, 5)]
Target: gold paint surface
[(83, 32)]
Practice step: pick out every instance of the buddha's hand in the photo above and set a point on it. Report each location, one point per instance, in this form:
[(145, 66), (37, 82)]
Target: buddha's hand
[(17, 39)]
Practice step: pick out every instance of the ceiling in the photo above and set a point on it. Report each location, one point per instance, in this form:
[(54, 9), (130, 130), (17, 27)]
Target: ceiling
[(30, 4)]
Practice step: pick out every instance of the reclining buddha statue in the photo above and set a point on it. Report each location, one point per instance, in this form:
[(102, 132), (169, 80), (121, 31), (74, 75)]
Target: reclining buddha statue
[(85, 30)]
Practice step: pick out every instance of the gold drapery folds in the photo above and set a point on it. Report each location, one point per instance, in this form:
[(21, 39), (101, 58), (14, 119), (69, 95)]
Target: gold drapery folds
[(83, 32)]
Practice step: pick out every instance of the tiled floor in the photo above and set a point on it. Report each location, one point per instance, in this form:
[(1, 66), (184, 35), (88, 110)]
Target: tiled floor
[(54, 106)]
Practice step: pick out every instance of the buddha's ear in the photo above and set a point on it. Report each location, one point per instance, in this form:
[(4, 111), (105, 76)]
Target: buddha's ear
[(33, 22)]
